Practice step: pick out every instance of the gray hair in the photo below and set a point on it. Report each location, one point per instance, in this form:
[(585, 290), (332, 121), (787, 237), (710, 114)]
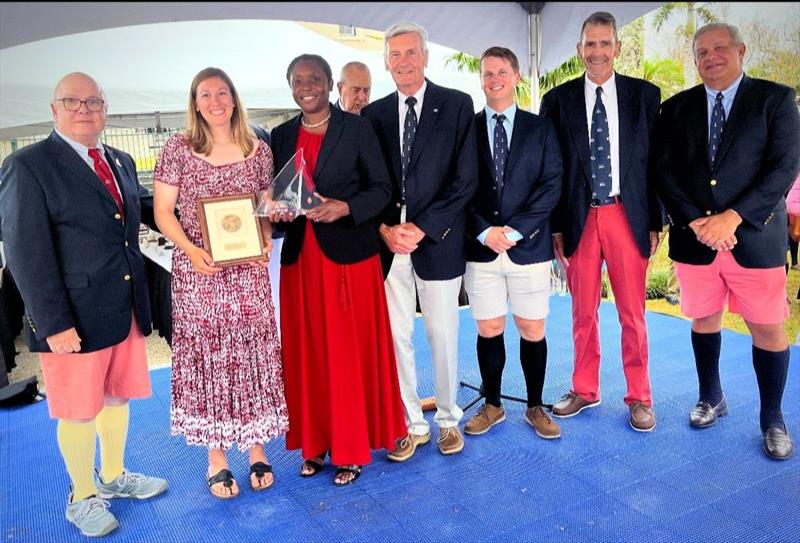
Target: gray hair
[(600, 18), (352, 64), (404, 27), (736, 35)]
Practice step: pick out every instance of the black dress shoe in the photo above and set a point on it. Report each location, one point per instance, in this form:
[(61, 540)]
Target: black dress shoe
[(704, 415), (777, 444)]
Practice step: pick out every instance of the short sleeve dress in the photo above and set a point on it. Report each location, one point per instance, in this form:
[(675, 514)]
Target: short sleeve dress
[(227, 378)]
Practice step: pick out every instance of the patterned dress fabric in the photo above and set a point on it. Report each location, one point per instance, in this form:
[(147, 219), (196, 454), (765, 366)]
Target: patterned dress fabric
[(227, 377)]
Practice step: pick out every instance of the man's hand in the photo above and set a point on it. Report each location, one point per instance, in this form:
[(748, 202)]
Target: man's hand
[(329, 210), (558, 247), (655, 240), (65, 342), (414, 233), (397, 239), (717, 231), (497, 241)]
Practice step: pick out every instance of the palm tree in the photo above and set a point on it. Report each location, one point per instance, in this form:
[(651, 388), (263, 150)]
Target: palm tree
[(666, 74), (693, 11), (569, 69)]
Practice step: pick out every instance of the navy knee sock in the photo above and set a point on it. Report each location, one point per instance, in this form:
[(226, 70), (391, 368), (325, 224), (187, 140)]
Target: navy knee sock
[(706, 358), (771, 369), (533, 356), (491, 361)]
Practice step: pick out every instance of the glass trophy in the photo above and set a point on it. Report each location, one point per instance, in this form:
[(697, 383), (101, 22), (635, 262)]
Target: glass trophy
[(292, 190)]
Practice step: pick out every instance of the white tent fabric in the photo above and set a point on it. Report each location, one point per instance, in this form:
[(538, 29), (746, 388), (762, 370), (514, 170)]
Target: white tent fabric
[(466, 26)]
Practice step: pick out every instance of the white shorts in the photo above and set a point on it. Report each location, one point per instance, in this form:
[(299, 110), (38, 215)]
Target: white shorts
[(493, 286)]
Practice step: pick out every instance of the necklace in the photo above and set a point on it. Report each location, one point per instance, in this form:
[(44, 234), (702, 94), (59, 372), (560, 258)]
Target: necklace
[(315, 125)]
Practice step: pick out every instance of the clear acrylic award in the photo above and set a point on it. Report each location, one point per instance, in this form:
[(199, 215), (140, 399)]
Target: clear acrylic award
[(292, 190)]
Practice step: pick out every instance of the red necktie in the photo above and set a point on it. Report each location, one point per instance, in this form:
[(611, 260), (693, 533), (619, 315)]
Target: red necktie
[(105, 175)]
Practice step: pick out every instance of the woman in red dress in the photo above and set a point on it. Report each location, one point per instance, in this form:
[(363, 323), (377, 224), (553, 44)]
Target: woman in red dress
[(342, 389)]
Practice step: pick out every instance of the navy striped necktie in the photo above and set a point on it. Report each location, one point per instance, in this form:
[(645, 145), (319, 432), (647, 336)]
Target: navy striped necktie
[(715, 130)]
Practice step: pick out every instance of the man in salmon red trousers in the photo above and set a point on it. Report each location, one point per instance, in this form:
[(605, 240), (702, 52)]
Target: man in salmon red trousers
[(608, 213), (70, 210)]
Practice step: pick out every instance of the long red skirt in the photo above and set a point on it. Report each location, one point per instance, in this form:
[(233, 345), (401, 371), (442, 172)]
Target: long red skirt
[(342, 389)]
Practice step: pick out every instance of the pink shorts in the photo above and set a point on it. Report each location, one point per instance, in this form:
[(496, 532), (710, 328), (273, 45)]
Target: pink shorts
[(77, 383), (757, 294)]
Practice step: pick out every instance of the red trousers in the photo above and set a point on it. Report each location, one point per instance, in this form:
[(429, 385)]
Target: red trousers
[(608, 236)]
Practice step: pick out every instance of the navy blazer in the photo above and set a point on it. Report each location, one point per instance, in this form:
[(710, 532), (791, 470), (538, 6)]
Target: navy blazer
[(637, 104), (350, 168), (755, 166), (75, 260), (531, 190), (442, 177)]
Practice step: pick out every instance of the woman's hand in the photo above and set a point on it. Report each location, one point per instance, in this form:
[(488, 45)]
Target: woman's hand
[(329, 210), (202, 261), (280, 214), (266, 251)]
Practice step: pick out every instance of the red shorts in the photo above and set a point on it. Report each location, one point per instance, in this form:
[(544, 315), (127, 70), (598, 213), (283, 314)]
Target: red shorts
[(757, 294), (77, 383)]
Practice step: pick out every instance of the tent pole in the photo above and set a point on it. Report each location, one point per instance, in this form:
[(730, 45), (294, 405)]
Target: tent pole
[(533, 62)]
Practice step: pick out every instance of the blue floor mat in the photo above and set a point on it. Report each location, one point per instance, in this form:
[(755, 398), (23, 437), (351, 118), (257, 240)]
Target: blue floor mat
[(601, 482)]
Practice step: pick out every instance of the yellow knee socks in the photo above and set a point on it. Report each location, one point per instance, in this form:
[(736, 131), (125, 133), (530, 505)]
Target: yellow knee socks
[(76, 441), (112, 429)]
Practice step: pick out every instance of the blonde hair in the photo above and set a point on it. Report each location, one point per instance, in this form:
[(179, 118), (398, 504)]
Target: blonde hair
[(198, 134)]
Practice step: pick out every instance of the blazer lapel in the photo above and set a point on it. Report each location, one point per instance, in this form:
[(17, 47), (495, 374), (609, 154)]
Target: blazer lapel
[(75, 166), (332, 136), (521, 129), (119, 174), (482, 135), (392, 127), (431, 105), (732, 124), (627, 104), (579, 130)]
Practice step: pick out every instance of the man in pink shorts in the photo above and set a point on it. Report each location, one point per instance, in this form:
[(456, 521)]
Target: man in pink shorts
[(727, 152), (70, 209)]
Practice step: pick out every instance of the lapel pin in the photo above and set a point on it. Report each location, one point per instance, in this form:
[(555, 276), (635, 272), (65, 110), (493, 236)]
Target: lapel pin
[(116, 160), (436, 110)]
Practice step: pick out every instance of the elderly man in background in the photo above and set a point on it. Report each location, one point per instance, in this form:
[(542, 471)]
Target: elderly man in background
[(354, 86)]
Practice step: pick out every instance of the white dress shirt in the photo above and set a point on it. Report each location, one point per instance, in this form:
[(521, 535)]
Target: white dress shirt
[(612, 111)]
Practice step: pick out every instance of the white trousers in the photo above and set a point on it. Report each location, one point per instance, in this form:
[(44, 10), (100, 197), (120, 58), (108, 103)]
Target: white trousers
[(438, 301)]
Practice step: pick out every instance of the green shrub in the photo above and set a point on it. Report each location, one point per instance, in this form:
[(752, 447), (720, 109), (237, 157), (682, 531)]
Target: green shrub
[(657, 284)]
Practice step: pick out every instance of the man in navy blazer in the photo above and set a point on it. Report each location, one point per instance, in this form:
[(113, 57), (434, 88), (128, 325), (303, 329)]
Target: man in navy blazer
[(427, 136), (70, 209), (727, 153), (608, 212), (509, 246)]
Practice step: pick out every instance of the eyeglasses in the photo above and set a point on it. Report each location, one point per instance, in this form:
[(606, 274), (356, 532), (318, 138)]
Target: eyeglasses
[(73, 104)]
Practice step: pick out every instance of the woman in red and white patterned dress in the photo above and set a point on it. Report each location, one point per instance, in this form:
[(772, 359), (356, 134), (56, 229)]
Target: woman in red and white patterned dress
[(227, 379)]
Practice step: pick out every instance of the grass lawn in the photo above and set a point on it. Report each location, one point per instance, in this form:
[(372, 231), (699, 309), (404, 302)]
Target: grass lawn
[(729, 321)]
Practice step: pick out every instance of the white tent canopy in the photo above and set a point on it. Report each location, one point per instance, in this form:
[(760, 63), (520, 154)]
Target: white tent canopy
[(544, 30), (465, 26)]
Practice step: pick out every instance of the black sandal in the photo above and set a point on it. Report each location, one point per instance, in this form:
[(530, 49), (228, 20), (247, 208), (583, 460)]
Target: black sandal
[(260, 469), (225, 477), (356, 471), (315, 465)]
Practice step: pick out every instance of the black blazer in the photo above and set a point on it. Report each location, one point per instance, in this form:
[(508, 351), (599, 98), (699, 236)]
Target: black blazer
[(637, 104), (755, 166), (77, 264), (531, 190), (442, 177), (350, 167)]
